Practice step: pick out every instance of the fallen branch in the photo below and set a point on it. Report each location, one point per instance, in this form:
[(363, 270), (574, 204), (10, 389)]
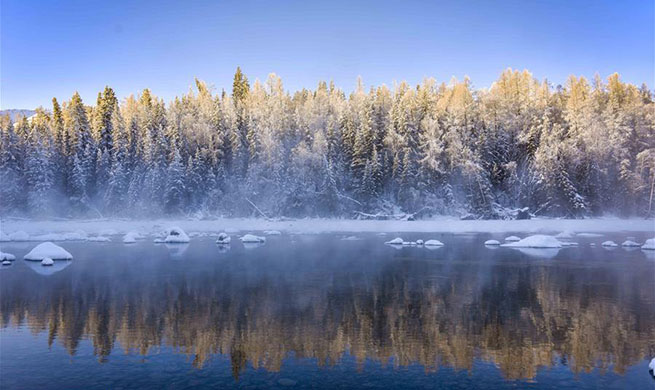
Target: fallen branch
[(257, 208)]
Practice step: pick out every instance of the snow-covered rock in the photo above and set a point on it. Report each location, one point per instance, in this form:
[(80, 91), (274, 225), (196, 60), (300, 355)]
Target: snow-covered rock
[(565, 234), (649, 244), (536, 241), (569, 243), (419, 242), (4, 256), (433, 243), (251, 238), (395, 241), (47, 261), (48, 249), (130, 238), (512, 239), (272, 232), (609, 244), (492, 242), (630, 244), (176, 235), (223, 239), (6, 262), (409, 243), (651, 365)]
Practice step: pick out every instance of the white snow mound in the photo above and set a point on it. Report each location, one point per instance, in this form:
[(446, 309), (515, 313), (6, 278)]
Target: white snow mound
[(512, 239), (272, 232), (609, 244), (651, 365), (223, 238), (536, 241), (419, 242), (176, 235), (492, 242), (47, 261), (251, 238), (99, 239), (565, 234), (130, 238), (48, 249), (630, 244), (7, 256), (395, 241), (433, 243), (649, 244)]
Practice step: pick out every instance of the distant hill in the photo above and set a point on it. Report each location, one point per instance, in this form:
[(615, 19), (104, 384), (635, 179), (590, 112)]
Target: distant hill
[(14, 113)]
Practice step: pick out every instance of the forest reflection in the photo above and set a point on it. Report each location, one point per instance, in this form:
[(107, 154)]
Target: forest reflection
[(401, 311)]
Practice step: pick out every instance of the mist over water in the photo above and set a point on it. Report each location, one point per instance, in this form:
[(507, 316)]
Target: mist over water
[(324, 312)]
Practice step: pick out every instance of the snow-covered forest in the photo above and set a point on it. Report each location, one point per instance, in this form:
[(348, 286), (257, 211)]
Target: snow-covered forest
[(581, 149)]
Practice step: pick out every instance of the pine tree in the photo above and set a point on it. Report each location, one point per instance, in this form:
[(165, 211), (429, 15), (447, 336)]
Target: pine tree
[(175, 188)]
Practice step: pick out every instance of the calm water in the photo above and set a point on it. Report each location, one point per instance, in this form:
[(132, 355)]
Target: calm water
[(317, 311)]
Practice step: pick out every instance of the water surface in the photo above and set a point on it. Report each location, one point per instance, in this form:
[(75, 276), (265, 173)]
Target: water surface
[(317, 311)]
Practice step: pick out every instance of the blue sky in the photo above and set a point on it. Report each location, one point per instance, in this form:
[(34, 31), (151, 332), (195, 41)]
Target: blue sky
[(53, 48)]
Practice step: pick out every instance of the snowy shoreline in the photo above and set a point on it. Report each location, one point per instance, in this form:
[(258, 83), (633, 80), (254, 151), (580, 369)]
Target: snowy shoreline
[(313, 226)]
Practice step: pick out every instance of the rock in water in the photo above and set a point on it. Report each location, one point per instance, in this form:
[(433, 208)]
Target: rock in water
[(649, 244), (223, 239), (176, 235), (536, 241), (4, 256), (395, 241), (47, 261), (251, 238), (492, 242), (433, 243), (48, 250)]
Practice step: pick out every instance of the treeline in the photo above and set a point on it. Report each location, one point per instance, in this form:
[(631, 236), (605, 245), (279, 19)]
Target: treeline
[(581, 149)]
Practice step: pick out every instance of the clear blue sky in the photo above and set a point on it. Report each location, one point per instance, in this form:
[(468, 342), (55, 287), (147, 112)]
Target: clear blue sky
[(52, 48)]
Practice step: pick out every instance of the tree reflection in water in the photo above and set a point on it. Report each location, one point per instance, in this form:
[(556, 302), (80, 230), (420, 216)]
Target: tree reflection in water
[(320, 298)]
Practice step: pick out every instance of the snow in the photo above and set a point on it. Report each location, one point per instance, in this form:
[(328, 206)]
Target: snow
[(492, 242), (433, 243), (395, 241), (130, 238), (223, 239), (99, 239), (47, 261), (649, 244), (536, 241), (630, 244), (419, 242), (565, 234), (251, 238), (19, 235), (234, 225), (651, 365), (409, 243), (48, 249), (351, 238), (7, 256), (272, 232), (6, 262), (512, 239), (175, 235), (609, 244), (568, 243)]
